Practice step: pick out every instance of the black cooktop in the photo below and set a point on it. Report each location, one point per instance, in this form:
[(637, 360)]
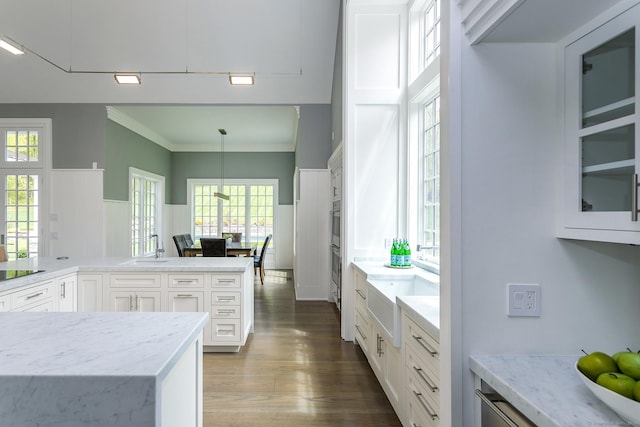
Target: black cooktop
[(14, 274)]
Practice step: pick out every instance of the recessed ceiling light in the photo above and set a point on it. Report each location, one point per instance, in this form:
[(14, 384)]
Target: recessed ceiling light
[(241, 80), (127, 79), (9, 47)]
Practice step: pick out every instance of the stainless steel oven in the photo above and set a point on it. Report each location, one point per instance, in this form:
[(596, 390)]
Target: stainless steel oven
[(336, 275)]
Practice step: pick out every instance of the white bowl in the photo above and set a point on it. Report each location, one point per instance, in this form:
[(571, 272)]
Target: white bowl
[(627, 409)]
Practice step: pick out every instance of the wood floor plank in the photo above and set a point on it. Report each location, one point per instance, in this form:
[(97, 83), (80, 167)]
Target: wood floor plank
[(294, 371)]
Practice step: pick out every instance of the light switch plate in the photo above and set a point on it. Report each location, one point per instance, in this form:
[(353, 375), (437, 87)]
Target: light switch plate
[(523, 299)]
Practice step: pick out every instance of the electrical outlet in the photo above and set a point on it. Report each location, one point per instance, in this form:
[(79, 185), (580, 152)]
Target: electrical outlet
[(523, 300)]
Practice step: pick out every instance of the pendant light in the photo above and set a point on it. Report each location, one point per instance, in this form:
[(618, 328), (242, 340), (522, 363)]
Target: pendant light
[(220, 194)]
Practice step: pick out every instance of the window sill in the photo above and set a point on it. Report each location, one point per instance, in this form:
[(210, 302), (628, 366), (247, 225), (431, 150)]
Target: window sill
[(426, 265)]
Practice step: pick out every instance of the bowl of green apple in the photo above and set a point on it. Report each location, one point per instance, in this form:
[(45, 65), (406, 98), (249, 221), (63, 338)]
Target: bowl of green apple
[(615, 380)]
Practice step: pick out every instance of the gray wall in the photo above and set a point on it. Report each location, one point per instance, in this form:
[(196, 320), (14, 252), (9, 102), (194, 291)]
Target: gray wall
[(78, 131), (314, 137), (336, 92), (125, 149), (236, 165)]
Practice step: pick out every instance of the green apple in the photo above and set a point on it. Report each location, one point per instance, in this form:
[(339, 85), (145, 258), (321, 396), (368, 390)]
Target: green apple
[(636, 391), (629, 364), (618, 383), (596, 363)]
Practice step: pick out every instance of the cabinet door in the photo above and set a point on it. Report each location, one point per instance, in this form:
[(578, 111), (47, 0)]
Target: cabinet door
[(601, 129), (89, 290), (143, 301), (121, 301), (66, 288), (186, 301), (147, 301)]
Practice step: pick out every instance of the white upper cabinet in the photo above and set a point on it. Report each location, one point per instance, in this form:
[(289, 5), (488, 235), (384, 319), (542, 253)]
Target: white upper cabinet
[(601, 134)]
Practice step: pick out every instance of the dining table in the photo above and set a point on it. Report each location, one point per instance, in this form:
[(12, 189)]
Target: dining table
[(233, 249)]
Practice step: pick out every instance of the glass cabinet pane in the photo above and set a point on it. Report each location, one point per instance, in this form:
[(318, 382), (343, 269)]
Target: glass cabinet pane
[(607, 168), (608, 80)]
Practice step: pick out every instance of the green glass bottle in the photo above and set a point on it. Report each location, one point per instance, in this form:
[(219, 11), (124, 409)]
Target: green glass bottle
[(407, 254), (394, 254)]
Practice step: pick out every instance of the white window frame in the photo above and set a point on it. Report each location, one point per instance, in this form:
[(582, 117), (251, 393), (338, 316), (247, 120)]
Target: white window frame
[(42, 167), (247, 182), (425, 86), (159, 180)]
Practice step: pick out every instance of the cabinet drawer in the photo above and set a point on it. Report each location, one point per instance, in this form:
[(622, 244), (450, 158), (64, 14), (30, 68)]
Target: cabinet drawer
[(423, 375), (44, 306), (225, 330), (135, 281), (363, 331), (420, 408), (361, 300), (186, 280), (423, 345), (225, 298), (5, 303), (33, 295), (226, 312), (226, 280)]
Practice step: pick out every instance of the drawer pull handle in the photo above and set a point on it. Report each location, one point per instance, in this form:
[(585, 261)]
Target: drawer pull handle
[(184, 295), (420, 341), (362, 294), (226, 311), (424, 404), (504, 417), (425, 378), (226, 281), (186, 281), (360, 332), (35, 295), (226, 298)]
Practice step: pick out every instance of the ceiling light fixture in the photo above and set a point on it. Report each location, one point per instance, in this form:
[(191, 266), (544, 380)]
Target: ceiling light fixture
[(220, 194), (11, 46), (241, 79), (127, 79)]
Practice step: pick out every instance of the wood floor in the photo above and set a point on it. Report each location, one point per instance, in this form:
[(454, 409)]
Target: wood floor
[(294, 371)]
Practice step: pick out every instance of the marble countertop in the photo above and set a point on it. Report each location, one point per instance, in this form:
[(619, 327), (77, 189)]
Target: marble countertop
[(95, 344), (424, 310), (97, 369), (545, 388), (53, 267)]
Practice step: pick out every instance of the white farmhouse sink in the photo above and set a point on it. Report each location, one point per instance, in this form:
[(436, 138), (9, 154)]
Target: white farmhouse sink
[(381, 299)]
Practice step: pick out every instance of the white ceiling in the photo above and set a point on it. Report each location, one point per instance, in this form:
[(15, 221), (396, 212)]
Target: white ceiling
[(184, 50)]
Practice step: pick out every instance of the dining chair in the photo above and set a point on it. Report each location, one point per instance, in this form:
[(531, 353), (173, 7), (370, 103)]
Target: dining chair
[(258, 261), (180, 242), (213, 247)]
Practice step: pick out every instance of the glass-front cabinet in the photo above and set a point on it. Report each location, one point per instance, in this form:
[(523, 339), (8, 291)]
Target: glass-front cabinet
[(601, 133)]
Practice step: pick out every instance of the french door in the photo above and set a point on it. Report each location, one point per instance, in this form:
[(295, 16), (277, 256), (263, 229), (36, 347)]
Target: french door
[(22, 166)]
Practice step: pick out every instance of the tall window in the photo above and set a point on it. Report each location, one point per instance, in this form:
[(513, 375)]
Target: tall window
[(430, 32), (22, 165), (424, 132), (146, 196), (430, 173), (249, 210)]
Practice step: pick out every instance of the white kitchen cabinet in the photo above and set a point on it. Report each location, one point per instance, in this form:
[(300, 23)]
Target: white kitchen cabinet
[(39, 297), (311, 234), (66, 288), (139, 300), (362, 321), (601, 128), (90, 292), (386, 361), (185, 301), (422, 364), (5, 303), (228, 308)]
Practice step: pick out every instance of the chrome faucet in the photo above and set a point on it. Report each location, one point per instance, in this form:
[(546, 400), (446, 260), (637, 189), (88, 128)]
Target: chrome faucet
[(158, 250)]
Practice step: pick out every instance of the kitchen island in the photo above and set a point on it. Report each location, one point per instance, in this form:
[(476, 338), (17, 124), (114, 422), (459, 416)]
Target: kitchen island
[(101, 369), (220, 287)]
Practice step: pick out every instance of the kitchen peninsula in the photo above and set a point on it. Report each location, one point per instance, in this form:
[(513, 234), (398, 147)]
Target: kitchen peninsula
[(220, 287), (99, 369)]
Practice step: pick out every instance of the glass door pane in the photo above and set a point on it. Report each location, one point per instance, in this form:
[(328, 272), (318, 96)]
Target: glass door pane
[(608, 80), (20, 216)]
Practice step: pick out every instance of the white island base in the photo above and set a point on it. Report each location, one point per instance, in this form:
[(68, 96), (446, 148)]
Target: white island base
[(101, 369)]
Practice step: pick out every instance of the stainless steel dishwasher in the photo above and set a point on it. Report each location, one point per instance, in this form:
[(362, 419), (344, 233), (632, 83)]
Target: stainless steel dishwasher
[(497, 412)]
